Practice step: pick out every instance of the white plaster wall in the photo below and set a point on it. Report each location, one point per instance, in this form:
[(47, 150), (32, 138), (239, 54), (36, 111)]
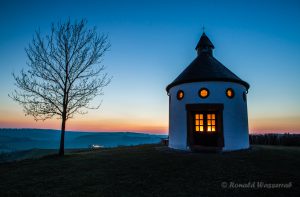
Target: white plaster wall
[(235, 116)]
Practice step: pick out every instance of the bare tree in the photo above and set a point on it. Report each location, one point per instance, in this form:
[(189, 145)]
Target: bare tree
[(65, 73)]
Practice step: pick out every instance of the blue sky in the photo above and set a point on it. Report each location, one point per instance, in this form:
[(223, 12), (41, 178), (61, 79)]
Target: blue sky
[(152, 42)]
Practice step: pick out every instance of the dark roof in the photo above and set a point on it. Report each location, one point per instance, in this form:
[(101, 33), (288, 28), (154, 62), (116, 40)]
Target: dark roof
[(204, 41), (206, 68)]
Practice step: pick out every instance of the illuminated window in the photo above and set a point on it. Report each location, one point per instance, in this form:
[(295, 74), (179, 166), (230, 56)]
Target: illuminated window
[(199, 122), (205, 122), (211, 122), (230, 93), (203, 92), (180, 95)]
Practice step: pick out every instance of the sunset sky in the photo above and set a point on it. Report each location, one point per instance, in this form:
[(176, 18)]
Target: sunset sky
[(152, 42)]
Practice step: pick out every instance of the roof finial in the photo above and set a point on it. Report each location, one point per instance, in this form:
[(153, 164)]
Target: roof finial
[(204, 44), (203, 29)]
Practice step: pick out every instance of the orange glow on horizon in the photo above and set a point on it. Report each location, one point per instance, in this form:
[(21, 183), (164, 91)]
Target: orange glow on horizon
[(274, 125), (138, 124), (116, 126), (108, 125)]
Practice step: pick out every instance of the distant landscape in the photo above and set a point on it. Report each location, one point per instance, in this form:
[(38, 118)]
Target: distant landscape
[(20, 144), (12, 140)]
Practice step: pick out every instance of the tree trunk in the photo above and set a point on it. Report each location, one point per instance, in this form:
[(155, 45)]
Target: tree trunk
[(62, 137), (65, 104)]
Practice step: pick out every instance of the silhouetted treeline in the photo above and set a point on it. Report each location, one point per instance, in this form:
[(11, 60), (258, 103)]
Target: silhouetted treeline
[(275, 139)]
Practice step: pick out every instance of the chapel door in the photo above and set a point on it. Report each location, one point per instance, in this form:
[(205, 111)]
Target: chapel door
[(205, 125), (205, 129)]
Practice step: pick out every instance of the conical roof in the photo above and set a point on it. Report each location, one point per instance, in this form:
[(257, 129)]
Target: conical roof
[(204, 42), (206, 68)]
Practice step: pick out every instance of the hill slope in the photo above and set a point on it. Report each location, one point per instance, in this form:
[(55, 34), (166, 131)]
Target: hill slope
[(153, 170), (24, 139)]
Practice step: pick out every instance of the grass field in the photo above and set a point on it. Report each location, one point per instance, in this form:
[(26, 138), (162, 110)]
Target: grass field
[(154, 170)]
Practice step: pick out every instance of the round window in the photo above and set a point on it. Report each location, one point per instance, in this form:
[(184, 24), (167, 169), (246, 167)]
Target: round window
[(180, 95), (203, 92), (230, 93)]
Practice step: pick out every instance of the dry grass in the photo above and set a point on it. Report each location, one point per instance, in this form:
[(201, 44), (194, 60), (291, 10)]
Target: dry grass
[(152, 170)]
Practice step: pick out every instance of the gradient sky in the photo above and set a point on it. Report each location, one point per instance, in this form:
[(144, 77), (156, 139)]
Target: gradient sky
[(152, 42)]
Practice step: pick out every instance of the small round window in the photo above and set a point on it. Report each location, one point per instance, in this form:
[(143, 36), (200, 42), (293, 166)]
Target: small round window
[(203, 92), (180, 95), (230, 93)]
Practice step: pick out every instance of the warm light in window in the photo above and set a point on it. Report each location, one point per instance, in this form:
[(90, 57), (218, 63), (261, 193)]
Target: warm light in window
[(180, 94), (203, 92), (230, 93), (205, 122), (211, 122), (213, 128), (199, 126), (208, 128)]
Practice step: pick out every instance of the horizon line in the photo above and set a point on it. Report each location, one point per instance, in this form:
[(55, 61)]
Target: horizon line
[(145, 131)]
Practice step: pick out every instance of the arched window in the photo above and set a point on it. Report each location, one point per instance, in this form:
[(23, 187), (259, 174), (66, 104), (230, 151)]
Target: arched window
[(203, 92), (180, 95), (230, 93)]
